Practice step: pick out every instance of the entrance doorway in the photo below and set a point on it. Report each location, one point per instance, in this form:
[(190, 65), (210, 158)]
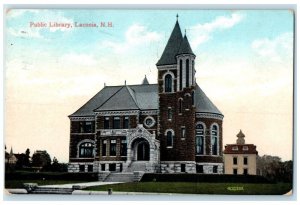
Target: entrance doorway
[(143, 151)]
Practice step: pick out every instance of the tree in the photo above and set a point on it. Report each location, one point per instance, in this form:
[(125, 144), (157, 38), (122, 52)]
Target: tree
[(274, 169), (41, 159), (58, 167)]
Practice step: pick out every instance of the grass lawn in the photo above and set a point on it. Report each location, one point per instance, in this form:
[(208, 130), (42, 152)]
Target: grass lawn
[(198, 188), (19, 183)]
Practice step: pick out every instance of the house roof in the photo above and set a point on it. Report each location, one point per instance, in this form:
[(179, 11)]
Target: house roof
[(169, 55), (240, 149), (145, 81), (136, 97)]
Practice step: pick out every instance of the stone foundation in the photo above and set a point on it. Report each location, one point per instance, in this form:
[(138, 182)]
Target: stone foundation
[(74, 166), (208, 168), (178, 167)]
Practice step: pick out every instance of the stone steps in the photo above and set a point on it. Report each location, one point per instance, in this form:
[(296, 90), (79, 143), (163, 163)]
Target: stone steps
[(120, 177), (50, 190), (137, 166)]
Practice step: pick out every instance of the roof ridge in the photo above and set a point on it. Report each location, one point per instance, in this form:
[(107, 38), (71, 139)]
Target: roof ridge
[(109, 98)]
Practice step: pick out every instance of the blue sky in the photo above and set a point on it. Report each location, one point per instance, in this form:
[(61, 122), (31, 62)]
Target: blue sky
[(244, 64)]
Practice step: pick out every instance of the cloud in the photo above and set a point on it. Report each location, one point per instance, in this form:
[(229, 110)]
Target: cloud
[(201, 33), (79, 59), (135, 36), (15, 13), (276, 49)]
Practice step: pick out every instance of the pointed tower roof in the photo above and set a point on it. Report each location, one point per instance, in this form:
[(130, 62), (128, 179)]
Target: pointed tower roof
[(145, 81), (185, 47), (169, 55)]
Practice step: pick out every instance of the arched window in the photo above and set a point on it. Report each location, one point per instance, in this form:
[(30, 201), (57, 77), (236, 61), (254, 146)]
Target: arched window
[(187, 72), (180, 74), (86, 150), (168, 83), (200, 139), (169, 139), (180, 105), (214, 140)]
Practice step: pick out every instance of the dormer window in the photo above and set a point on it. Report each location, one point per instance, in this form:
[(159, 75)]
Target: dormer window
[(245, 148), (235, 148)]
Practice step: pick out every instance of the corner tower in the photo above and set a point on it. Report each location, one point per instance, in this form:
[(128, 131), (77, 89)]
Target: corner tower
[(176, 86)]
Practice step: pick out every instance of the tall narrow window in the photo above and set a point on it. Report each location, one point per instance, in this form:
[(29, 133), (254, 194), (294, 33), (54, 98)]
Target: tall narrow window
[(199, 139), (180, 74), (245, 160), (169, 139), (123, 147), (88, 127), (126, 123), (169, 113), (214, 140), (183, 132), (104, 148), (86, 150), (193, 98), (106, 122), (168, 83), (113, 148), (235, 160), (116, 124), (193, 72), (180, 106), (187, 73)]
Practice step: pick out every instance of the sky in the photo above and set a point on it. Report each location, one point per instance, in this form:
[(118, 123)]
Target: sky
[(244, 64)]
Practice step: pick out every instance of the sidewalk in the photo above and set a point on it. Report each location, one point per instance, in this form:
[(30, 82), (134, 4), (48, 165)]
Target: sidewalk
[(82, 185)]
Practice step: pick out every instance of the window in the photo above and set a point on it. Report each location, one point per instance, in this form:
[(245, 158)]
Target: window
[(235, 160), (149, 121), (106, 122), (235, 148), (170, 113), (81, 168), (193, 71), (123, 147), (102, 167), (245, 160), (235, 171), (199, 168), (245, 171), (168, 83), (180, 106), (126, 123), (214, 140), (113, 147), (200, 139), (215, 169), (88, 127), (86, 150), (104, 147), (116, 123), (112, 167), (187, 72), (183, 132), (245, 148), (169, 139), (90, 168), (180, 73), (193, 98), (182, 168)]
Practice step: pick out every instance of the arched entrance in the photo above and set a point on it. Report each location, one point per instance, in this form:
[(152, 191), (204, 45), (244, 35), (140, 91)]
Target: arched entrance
[(143, 153), (141, 150)]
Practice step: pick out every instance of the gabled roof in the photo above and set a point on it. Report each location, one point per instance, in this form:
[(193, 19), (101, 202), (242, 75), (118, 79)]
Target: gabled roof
[(185, 47), (169, 55), (203, 103), (123, 99)]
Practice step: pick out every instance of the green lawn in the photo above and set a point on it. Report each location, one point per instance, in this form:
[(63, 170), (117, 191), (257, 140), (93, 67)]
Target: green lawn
[(198, 188), (19, 183)]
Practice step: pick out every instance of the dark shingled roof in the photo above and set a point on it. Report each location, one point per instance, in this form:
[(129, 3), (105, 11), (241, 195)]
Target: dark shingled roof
[(169, 55), (203, 103), (136, 97), (238, 149), (145, 81), (185, 47)]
